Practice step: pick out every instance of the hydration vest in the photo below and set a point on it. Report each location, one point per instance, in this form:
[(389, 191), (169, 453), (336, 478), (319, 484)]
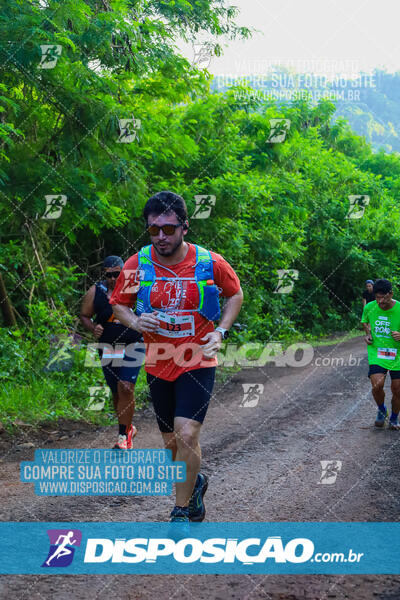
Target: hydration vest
[(203, 276)]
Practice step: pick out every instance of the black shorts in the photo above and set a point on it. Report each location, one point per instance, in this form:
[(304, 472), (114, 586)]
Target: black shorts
[(188, 396), (124, 369), (378, 369)]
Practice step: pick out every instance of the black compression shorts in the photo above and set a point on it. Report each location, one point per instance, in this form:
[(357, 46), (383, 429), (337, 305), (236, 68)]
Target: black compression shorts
[(188, 396), (378, 369), (125, 368)]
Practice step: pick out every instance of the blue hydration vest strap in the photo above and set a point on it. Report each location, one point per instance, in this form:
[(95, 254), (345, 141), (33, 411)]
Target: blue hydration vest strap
[(204, 271)]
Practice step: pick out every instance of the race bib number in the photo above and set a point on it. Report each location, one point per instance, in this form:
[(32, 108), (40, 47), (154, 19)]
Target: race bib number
[(175, 326), (387, 353)]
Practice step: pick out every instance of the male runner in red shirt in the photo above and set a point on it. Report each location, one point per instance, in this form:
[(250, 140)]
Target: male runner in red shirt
[(176, 288)]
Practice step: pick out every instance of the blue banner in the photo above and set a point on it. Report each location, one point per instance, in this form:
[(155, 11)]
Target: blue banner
[(165, 548), (92, 472)]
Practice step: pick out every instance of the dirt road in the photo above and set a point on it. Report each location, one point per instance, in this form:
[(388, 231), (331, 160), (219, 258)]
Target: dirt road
[(264, 465)]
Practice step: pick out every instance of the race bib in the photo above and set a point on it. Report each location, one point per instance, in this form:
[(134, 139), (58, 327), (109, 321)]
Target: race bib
[(387, 353), (114, 353), (175, 326)]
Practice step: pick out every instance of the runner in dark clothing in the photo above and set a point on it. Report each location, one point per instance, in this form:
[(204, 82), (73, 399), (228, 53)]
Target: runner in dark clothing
[(122, 371), (368, 294)]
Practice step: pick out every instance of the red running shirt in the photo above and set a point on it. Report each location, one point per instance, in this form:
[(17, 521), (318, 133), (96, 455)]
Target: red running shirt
[(169, 357)]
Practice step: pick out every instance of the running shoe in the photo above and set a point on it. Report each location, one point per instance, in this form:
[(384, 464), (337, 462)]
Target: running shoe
[(394, 424), (130, 434), (197, 509), (381, 418), (179, 527), (121, 444), (125, 442), (179, 514)]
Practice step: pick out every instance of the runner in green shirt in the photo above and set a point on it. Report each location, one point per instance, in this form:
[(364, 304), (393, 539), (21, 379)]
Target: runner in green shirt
[(381, 323)]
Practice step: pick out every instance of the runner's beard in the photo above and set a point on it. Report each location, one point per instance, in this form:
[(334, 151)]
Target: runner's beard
[(165, 252)]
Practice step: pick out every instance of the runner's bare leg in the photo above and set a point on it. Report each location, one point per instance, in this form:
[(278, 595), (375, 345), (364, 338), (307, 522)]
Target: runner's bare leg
[(126, 402), (377, 382), (188, 450), (170, 443), (395, 387)]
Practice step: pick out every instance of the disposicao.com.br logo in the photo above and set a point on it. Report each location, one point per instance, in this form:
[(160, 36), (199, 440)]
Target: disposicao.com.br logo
[(221, 547), (213, 550)]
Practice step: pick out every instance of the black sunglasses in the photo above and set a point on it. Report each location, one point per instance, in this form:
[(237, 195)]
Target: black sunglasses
[(114, 274), (168, 228)]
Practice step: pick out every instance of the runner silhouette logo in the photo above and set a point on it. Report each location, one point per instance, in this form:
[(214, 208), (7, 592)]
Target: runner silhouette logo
[(62, 547), (251, 394)]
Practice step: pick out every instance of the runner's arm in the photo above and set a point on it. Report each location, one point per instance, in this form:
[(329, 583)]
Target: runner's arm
[(231, 309), (367, 330), (87, 312), (122, 311), (125, 315), (230, 312), (229, 287)]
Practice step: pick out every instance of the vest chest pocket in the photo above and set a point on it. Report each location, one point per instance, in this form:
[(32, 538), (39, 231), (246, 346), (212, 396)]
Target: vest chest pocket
[(209, 302)]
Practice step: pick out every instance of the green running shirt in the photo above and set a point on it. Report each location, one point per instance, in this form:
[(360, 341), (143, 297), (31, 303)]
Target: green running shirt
[(384, 351)]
